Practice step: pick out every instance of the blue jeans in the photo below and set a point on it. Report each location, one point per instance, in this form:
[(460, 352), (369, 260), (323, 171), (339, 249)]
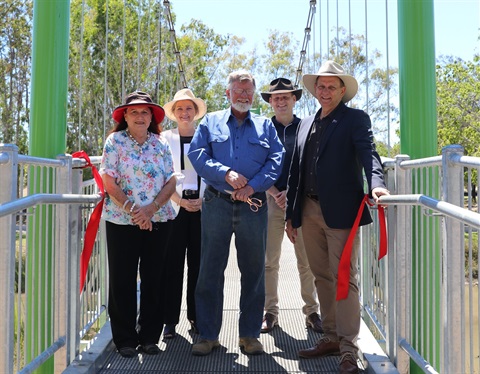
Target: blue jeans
[(220, 219)]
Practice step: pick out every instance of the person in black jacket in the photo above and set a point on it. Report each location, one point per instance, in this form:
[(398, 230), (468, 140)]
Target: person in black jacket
[(324, 194)]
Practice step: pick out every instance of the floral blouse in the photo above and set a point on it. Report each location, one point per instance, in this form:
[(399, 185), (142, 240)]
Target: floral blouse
[(141, 172)]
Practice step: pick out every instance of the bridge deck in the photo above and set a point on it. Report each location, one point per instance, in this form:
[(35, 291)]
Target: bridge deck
[(281, 345)]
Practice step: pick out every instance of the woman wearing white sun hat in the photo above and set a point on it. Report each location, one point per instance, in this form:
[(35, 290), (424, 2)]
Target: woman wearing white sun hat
[(184, 109)]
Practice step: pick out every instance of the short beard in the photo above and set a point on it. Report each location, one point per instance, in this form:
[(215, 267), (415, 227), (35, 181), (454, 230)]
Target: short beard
[(242, 107)]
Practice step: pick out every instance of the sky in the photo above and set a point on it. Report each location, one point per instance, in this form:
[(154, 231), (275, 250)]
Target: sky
[(457, 22)]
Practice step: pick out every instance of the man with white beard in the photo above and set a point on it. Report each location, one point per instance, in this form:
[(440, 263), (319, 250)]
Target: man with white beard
[(239, 156)]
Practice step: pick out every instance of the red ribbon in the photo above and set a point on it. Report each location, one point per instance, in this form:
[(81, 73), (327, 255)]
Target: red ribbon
[(344, 265), (93, 222)]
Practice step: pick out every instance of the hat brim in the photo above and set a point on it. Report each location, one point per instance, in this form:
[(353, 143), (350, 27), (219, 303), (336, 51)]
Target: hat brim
[(202, 107), (266, 95), (350, 83), (157, 111)]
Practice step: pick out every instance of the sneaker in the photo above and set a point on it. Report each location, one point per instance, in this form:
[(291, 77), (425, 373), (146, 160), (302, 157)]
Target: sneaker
[(348, 363), (251, 346), (269, 322), (314, 322), (204, 347), (169, 331)]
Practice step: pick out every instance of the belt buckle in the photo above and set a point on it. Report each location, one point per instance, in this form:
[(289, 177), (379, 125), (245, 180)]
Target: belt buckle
[(190, 192)]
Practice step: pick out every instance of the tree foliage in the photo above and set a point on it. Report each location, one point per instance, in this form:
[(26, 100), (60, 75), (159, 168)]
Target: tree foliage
[(458, 104), (117, 46), (15, 56)]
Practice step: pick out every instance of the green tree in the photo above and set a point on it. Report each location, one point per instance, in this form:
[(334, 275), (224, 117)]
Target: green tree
[(278, 61), (350, 52), (458, 104), (15, 65)]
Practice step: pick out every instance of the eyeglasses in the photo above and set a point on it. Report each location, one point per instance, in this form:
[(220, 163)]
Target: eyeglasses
[(330, 89), (239, 91)]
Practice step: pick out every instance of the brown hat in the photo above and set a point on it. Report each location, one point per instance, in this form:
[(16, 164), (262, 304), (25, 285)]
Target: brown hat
[(139, 98), (281, 85), (332, 69), (186, 94)]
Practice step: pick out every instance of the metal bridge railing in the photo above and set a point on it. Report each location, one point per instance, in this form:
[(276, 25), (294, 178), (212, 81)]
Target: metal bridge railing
[(422, 300), (44, 208)]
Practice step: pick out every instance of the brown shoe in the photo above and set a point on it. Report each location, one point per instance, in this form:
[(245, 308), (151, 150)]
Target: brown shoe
[(204, 347), (251, 346), (324, 347), (348, 364), (269, 322), (315, 323)]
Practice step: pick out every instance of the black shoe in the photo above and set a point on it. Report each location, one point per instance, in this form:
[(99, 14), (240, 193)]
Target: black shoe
[(169, 331), (269, 322), (151, 349), (193, 327), (127, 352), (314, 322)]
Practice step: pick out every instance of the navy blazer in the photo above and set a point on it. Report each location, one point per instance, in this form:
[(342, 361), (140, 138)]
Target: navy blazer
[(346, 148)]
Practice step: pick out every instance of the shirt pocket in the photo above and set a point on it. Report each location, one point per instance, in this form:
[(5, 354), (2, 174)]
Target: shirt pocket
[(219, 143), (259, 149)]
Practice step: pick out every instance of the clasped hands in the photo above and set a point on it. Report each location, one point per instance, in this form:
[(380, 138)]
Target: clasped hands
[(142, 215), (241, 189)]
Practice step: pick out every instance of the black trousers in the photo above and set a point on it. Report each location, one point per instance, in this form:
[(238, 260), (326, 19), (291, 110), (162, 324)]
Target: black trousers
[(185, 238), (134, 253)]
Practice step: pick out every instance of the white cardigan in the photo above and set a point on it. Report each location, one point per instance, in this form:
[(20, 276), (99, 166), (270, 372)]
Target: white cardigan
[(173, 138)]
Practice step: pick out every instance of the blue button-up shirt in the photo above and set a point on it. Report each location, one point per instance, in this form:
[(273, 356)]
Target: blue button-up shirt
[(252, 149)]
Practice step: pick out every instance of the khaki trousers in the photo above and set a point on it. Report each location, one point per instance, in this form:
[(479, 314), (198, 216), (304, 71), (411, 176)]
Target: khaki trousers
[(275, 237), (324, 247)]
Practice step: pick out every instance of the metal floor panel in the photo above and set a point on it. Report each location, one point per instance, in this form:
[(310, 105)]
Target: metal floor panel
[(281, 345)]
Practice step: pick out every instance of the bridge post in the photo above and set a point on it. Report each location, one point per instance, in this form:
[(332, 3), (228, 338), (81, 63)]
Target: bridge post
[(402, 266), (453, 346), (63, 261), (47, 134)]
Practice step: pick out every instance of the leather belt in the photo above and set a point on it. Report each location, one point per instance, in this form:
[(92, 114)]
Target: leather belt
[(219, 194), (313, 197)]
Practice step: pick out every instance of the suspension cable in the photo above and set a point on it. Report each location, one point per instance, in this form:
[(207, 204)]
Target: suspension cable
[(105, 73), (173, 39), (306, 39), (123, 50), (159, 47), (388, 78), (139, 15), (80, 94), (367, 80)]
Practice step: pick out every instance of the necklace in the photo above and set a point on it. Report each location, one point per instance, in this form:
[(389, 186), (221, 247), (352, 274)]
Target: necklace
[(137, 143)]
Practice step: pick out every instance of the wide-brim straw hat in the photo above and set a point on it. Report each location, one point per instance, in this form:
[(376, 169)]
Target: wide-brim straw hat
[(279, 86), (139, 98), (332, 69), (185, 94)]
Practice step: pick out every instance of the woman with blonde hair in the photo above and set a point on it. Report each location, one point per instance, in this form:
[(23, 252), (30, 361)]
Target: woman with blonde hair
[(184, 109)]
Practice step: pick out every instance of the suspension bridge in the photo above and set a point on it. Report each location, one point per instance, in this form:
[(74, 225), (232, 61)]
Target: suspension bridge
[(420, 304)]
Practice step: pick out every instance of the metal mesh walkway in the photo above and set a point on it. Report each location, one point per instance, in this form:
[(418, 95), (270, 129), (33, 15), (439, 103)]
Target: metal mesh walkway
[(281, 345)]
